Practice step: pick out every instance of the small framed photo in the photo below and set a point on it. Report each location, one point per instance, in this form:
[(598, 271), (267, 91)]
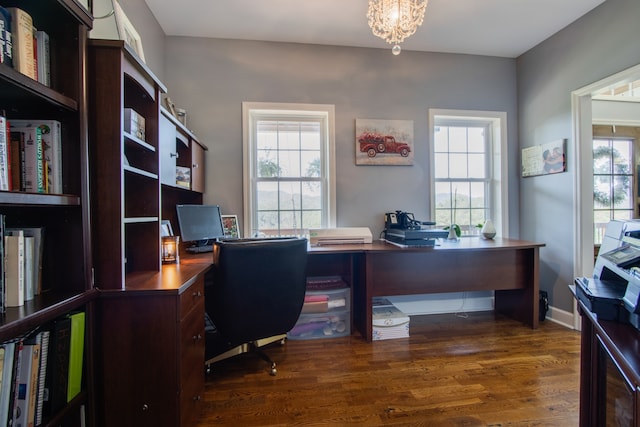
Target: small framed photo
[(165, 228), (126, 31), (231, 227)]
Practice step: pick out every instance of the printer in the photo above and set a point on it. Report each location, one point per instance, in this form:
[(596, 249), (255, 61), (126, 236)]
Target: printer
[(613, 292), (339, 235)]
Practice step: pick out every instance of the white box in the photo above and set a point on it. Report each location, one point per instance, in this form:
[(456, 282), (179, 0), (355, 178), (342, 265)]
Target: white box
[(389, 322), (134, 123)]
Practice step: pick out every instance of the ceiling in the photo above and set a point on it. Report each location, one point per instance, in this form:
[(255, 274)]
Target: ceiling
[(504, 28)]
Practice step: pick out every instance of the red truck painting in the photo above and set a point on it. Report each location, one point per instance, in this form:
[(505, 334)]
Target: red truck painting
[(373, 143)]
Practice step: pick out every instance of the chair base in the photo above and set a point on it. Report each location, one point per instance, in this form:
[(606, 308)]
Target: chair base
[(250, 347)]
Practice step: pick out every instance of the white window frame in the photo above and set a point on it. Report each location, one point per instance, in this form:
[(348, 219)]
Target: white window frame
[(253, 111), (497, 157)]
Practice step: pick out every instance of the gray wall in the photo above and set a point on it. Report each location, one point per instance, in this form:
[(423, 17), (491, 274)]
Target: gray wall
[(600, 44), (211, 78)]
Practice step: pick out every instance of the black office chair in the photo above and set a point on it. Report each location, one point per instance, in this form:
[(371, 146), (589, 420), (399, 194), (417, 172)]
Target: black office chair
[(253, 295)]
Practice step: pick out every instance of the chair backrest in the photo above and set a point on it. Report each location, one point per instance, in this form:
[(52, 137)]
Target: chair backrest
[(257, 287)]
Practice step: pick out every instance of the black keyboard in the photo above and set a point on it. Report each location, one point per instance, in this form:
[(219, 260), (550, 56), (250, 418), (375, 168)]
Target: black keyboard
[(200, 249)]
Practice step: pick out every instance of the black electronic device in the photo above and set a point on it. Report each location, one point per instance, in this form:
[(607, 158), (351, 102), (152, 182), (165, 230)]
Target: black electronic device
[(602, 297), (200, 225), (404, 221)]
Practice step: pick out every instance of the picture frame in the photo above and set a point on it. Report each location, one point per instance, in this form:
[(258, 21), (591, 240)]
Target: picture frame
[(165, 228), (384, 142), (544, 159), (230, 226), (170, 106), (126, 31)]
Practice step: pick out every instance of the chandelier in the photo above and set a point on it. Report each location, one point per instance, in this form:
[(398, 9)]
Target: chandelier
[(395, 20)]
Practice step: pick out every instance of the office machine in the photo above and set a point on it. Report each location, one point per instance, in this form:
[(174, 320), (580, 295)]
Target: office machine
[(340, 235), (613, 293), (403, 229), (200, 225)]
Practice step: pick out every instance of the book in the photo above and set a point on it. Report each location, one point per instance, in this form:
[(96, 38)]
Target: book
[(33, 156), (7, 375), (13, 393), (22, 39), (27, 379), (29, 274), (51, 136), (3, 306), (4, 154), (37, 233), (56, 379), (16, 153), (43, 58), (14, 269), (42, 373), (76, 355), (6, 45)]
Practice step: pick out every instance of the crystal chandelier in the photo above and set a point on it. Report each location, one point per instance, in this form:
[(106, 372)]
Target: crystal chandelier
[(395, 20)]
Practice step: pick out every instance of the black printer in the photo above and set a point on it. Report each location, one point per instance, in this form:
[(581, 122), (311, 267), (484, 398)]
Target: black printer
[(614, 290)]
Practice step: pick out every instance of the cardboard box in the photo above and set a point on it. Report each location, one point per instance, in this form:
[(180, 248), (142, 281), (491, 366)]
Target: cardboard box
[(134, 123), (388, 321)]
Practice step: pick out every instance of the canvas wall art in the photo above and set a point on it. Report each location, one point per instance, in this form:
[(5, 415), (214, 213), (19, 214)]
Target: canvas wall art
[(384, 142), (544, 159)]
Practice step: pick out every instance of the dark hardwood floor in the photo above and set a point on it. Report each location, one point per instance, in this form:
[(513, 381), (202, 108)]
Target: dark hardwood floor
[(483, 370)]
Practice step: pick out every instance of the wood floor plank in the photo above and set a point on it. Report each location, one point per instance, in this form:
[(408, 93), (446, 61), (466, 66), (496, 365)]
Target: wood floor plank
[(482, 370)]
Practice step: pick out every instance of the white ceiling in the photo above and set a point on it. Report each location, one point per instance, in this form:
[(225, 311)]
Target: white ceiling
[(505, 28)]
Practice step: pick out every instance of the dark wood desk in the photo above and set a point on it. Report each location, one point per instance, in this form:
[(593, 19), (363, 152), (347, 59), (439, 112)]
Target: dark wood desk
[(508, 267)]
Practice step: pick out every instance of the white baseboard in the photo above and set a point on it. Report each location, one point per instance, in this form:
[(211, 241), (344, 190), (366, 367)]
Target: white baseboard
[(454, 302), (561, 317)]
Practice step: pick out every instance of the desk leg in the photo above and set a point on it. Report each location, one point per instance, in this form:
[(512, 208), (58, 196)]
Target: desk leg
[(361, 289), (523, 304)]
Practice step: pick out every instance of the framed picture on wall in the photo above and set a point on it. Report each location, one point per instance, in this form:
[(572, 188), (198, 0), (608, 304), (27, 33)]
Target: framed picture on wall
[(230, 226), (544, 159), (384, 142)]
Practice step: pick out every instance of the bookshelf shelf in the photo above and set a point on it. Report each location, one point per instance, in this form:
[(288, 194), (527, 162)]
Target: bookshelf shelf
[(36, 199), (42, 309), (140, 172), (133, 139), (21, 90)]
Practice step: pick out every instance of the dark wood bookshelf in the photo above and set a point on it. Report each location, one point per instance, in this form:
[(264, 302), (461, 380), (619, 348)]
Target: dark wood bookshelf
[(67, 257)]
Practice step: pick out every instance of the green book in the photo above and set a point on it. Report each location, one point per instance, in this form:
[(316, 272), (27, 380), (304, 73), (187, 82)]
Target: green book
[(76, 355)]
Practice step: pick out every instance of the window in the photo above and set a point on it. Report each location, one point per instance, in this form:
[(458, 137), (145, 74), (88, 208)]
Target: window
[(612, 182), (289, 169), (467, 169)]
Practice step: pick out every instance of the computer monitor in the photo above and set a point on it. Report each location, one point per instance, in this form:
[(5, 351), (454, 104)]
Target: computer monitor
[(200, 224)]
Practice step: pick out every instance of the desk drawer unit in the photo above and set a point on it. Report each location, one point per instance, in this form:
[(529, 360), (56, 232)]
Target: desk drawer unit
[(192, 353)]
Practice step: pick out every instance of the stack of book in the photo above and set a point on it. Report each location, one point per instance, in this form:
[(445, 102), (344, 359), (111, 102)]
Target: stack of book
[(42, 372), (30, 155), (23, 47), (22, 253)]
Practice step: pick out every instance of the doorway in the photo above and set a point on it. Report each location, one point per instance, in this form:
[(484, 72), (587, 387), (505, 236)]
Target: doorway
[(582, 118)]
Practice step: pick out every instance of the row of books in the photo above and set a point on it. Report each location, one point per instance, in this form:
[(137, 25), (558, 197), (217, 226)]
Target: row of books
[(23, 47), (41, 373), (30, 155), (21, 267)]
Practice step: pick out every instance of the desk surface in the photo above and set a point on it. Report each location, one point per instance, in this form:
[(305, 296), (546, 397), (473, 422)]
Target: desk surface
[(465, 243)]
